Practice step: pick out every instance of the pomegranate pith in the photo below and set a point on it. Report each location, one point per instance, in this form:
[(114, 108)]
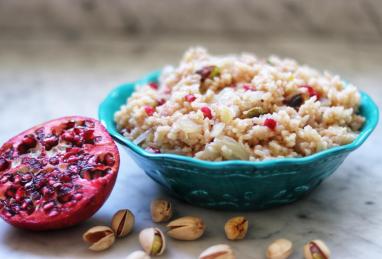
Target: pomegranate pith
[(57, 174)]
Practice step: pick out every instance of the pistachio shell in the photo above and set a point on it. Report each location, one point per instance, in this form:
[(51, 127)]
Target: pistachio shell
[(186, 228), (279, 249), (236, 228), (138, 255), (101, 238), (316, 249), (122, 222), (220, 251), (152, 241), (161, 210)]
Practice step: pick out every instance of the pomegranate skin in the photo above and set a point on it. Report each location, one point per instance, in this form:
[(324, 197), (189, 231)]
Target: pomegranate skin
[(47, 184)]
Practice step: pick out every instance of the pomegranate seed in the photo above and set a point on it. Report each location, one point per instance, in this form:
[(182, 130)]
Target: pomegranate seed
[(77, 196), (149, 110), (190, 98), (50, 142), (153, 85), (54, 161), (26, 177), (4, 178), (29, 140), (4, 164), (65, 177), (109, 159), (70, 124), (19, 194), (206, 112), (208, 72), (48, 206), (17, 179), (153, 150), (311, 91), (53, 213), (68, 136), (11, 191), (161, 101), (89, 136), (270, 123), (72, 159), (249, 87)]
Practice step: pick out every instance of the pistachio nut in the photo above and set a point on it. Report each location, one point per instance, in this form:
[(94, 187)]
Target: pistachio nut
[(316, 249), (138, 255), (236, 228), (255, 112), (100, 238), (221, 251), (161, 210), (152, 241), (186, 228), (122, 222), (279, 249)]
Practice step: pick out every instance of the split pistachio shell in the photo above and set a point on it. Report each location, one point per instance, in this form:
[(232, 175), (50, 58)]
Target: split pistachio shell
[(100, 238), (316, 249), (236, 228), (122, 222), (161, 211), (138, 255), (186, 228), (221, 251), (152, 241), (279, 249)]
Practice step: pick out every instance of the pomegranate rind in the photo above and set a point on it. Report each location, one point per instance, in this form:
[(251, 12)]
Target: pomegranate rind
[(93, 191)]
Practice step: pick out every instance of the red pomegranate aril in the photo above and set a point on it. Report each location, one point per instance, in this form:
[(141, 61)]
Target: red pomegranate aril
[(19, 194), (109, 159), (89, 136), (153, 85), (311, 91), (48, 206), (270, 123), (4, 164), (149, 110), (50, 142), (28, 142), (68, 136), (54, 161), (11, 191), (4, 179), (206, 112), (77, 196), (161, 101), (190, 98), (249, 88)]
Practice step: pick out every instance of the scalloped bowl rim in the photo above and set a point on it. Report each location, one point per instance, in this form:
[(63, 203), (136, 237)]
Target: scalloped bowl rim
[(367, 129)]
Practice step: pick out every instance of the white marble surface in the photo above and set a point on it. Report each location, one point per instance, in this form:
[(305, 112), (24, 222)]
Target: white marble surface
[(43, 79)]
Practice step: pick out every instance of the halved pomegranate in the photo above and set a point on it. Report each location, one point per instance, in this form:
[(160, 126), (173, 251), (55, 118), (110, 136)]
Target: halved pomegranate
[(56, 174)]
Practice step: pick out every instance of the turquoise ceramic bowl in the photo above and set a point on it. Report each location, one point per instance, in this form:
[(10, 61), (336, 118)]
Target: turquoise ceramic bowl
[(234, 185)]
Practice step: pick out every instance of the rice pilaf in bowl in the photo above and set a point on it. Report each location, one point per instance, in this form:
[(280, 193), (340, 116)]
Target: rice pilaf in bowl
[(238, 132)]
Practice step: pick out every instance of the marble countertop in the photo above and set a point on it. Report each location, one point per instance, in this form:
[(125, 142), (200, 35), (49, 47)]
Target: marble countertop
[(43, 79)]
